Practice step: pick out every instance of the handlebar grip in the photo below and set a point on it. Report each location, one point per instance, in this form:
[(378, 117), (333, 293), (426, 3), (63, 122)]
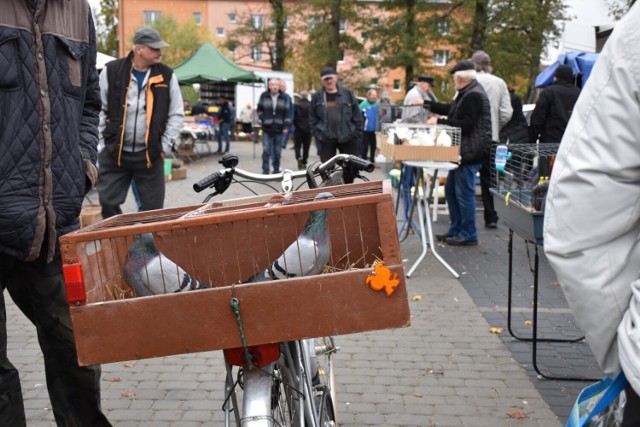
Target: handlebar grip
[(361, 164), (206, 182)]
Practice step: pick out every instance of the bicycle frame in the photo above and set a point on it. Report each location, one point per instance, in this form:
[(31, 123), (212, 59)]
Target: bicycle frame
[(293, 366)]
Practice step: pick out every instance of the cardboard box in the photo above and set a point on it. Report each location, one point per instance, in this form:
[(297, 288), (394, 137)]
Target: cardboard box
[(417, 152), (179, 173), (90, 214)]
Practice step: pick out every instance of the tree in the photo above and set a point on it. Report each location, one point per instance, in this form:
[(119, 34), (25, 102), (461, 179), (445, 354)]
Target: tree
[(253, 32), (405, 34), (107, 24), (184, 39)]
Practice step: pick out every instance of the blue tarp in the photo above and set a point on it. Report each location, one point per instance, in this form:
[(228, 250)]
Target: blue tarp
[(581, 62)]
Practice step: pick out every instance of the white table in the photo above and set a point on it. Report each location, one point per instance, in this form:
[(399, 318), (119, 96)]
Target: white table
[(420, 167)]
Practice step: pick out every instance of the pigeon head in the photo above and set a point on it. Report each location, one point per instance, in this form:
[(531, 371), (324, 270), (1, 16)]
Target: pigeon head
[(143, 246)]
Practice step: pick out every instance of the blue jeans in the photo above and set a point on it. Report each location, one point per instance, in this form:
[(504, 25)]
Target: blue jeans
[(224, 131), (460, 193), (271, 149)]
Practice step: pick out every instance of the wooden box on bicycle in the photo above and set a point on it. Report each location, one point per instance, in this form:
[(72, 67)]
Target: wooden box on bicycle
[(223, 244)]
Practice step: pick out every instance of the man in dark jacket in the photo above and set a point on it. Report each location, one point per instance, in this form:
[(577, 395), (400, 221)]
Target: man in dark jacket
[(224, 122), (553, 109), (471, 112), (336, 120), (48, 134), (141, 114), (274, 114), (302, 134)]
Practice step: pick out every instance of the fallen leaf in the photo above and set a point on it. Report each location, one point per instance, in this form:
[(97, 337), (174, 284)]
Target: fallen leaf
[(114, 379), (416, 394), (495, 330), (416, 298), (129, 394), (518, 415), (554, 283), (528, 322), (129, 364)]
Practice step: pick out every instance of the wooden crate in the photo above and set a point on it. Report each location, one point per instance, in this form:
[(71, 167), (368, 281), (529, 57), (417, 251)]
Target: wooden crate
[(417, 152), (223, 244)]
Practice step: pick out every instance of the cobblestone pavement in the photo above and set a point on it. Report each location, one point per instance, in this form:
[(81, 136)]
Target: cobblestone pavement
[(447, 369)]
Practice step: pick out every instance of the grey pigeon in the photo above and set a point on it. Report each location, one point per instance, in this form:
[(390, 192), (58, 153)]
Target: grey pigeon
[(148, 272), (307, 255)]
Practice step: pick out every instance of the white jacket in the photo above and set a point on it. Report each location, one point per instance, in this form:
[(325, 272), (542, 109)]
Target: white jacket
[(592, 218), (499, 100)]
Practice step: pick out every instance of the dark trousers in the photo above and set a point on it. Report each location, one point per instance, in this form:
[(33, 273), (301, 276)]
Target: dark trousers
[(490, 214), (38, 290), (301, 143), (631, 416), (114, 181), (368, 145), (328, 149)]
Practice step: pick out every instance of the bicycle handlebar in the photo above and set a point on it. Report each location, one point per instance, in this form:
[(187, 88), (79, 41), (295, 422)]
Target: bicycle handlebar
[(343, 160)]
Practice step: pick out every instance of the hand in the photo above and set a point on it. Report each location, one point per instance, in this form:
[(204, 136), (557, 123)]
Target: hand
[(417, 102), (433, 120)]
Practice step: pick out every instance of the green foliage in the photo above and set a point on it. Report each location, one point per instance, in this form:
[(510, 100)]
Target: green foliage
[(189, 94), (107, 27), (184, 38)]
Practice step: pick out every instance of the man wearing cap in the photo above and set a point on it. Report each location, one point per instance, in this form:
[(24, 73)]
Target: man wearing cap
[(413, 110), (386, 108), (335, 119), (501, 112), (554, 107), (470, 111), (141, 115), (273, 113)]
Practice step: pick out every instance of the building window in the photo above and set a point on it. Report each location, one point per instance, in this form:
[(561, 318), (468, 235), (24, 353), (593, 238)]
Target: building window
[(151, 17), (232, 52), (197, 16), (220, 32), (375, 54), (286, 22), (396, 85), (444, 27), (256, 53), (257, 22), (440, 58), (375, 22), (231, 17), (343, 25), (341, 57), (313, 22), (364, 35)]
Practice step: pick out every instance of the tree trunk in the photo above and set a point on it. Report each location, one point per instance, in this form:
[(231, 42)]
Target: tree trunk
[(279, 15), (479, 25), (334, 41)]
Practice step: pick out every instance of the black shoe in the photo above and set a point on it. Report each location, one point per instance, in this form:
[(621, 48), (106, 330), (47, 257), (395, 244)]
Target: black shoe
[(457, 241), (491, 225), (443, 237)]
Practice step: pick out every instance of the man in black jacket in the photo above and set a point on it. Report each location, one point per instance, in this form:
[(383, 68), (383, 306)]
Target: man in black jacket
[(471, 112), (553, 109), (274, 114), (302, 135), (335, 118), (49, 137)]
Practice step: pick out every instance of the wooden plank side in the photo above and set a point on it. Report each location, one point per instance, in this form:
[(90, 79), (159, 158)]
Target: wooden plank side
[(329, 304)]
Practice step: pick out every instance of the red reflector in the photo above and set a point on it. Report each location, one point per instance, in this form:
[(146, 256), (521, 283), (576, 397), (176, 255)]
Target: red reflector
[(261, 355), (74, 282)]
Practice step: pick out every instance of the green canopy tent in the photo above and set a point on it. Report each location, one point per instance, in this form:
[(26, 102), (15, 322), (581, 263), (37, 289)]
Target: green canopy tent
[(207, 65)]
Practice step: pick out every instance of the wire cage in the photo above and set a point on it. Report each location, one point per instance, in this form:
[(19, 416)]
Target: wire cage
[(407, 141), (521, 173), (136, 268)]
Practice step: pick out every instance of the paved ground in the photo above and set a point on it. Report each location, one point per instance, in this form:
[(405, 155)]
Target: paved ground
[(447, 369)]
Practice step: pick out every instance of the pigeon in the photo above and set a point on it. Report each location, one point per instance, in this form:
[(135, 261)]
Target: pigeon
[(148, 272), (306, 256)]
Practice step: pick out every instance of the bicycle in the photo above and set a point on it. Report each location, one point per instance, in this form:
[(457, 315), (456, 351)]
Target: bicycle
[(291, 383)]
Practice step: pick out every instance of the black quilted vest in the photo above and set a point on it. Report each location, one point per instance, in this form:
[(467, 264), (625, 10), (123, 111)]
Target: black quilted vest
[(157, 92)]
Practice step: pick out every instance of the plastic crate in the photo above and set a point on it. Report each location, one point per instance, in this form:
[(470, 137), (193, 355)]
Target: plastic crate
[(223, 244)]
